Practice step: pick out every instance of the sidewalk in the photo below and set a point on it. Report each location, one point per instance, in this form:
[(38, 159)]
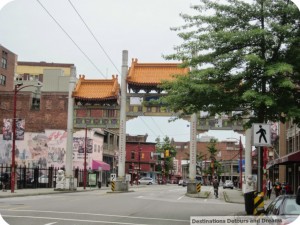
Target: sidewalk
[(234, 196), (47, 191), (237, 196), (44, 191)]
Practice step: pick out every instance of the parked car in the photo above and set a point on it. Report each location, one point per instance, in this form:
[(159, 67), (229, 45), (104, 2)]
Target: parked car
[(146, 180), (43, 179), (228, 184), (284, 207), (182, 182)]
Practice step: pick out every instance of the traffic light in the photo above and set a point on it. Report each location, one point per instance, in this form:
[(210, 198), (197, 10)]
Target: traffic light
[(167, 153)]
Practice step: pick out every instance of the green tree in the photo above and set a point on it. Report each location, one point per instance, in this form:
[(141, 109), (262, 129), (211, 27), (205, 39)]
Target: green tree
[(244, 58), (162, 147), (215, 166)]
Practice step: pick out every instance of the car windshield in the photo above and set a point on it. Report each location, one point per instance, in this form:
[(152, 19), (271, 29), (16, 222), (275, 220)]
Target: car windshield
[(290, 207)]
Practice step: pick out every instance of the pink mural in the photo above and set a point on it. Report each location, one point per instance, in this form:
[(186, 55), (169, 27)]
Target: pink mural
[(49, 149)]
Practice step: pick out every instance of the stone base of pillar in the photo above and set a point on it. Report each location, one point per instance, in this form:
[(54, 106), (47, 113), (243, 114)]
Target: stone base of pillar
[(191, 188), (69, 184), (121, 186)]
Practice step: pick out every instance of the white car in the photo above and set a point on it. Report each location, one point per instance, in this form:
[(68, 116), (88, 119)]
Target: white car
[(44, 179), (146, 180)]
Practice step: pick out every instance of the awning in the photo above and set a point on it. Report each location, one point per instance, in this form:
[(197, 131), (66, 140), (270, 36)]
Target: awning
[(97, 164), (293, 157)]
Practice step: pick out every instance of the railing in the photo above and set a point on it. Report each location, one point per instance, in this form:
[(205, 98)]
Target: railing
[(35, 177)]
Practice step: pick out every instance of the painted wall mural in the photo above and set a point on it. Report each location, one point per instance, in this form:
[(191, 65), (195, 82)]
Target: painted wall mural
[(49, 149)]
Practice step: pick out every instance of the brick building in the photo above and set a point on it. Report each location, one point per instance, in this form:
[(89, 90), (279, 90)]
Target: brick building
[(7, 69), (140, 161), (228, 155)]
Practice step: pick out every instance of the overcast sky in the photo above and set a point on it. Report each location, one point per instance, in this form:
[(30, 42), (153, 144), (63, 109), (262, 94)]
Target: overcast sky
[(92, 35)]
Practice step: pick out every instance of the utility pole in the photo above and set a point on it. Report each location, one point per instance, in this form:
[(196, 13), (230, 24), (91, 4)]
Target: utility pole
[(241, 163)]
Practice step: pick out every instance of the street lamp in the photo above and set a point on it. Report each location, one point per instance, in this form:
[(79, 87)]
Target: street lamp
[(241, 159), (84, 164), (17, 88)]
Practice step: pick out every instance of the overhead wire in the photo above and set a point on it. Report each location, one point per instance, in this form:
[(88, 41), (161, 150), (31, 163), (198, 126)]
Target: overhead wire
[(71, 39), (88, 28), (99, 44), (157, 126), (148, 126)]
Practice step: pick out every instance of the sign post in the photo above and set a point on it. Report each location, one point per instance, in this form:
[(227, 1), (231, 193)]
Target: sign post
[(261, 138)]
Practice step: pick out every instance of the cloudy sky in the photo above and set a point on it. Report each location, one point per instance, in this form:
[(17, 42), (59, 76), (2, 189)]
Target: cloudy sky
[(92, 34)]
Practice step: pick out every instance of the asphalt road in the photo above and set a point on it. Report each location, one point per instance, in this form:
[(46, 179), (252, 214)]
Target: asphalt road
[(155, 204)]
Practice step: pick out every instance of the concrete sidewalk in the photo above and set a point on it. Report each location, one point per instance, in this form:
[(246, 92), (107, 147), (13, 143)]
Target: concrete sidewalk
[(44, 191), (47, 191), (237, 196)]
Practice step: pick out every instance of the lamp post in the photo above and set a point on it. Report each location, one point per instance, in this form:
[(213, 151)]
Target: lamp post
[(84, 164), (17, 88), (241, 163), (241, 159)]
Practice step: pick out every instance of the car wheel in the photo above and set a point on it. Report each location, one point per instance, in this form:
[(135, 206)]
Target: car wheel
[(224, 188), (232, 188)]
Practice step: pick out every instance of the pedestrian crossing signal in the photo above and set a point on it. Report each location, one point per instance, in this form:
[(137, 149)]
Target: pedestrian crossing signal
[(261, 134)]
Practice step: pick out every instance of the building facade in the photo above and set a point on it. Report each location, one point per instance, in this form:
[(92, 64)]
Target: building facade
[(228, 155), (7, 69), (140, 160)]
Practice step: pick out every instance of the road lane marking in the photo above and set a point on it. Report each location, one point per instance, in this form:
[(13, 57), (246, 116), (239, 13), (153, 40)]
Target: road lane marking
[(98, 214), (50, 223), (89, 221), (180, 197)]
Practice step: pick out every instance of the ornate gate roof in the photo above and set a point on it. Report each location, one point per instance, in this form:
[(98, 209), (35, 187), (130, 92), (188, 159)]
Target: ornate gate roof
[(95, 91), (147, 76)]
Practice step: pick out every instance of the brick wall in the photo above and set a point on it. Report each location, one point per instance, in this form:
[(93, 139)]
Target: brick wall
[(51, 115), (9, 72)]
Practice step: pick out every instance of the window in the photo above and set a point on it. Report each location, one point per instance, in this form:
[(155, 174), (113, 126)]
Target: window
[(2, 80), (132, 155), (4, 60)]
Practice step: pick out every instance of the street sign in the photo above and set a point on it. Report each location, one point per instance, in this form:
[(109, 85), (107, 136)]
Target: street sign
[(261, 134), (113, 177)]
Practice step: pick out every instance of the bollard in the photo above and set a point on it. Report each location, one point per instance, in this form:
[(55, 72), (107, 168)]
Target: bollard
[(113, 186), (198, 187), (258, 204)]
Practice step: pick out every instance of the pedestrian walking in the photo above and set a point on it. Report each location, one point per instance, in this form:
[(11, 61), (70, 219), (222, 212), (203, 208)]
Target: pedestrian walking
[(278, 187), (4, 180), (269, 188), (216, 187)]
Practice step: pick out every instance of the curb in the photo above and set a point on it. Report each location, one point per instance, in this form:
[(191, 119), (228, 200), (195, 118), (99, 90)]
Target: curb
[(227, 199), (16, 194), (198, 195)]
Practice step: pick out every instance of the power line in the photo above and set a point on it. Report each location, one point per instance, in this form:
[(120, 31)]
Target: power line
[(148, 126), (71, 39), (93, 35), (157, 126)]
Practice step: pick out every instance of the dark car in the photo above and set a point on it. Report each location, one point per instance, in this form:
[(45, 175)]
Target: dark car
[(283, 207)]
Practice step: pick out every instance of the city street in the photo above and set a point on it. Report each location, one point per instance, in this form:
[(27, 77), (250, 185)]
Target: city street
[(154, 204)]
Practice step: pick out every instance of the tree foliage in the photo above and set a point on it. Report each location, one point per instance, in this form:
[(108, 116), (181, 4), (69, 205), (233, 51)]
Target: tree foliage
[(244, 57), (162, 147), (215, 167)]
